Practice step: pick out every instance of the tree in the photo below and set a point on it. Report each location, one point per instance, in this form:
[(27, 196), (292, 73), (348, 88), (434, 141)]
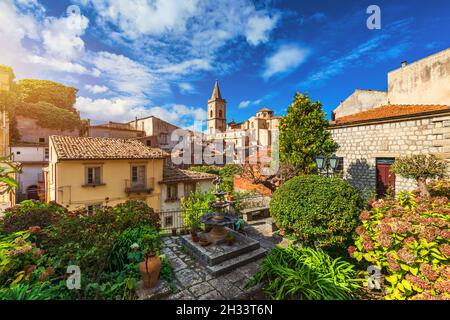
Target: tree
[(420, 168), (304, 134)]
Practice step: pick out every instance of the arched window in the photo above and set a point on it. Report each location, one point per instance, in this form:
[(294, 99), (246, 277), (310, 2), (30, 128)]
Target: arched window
[(211, 114), (220, 113)]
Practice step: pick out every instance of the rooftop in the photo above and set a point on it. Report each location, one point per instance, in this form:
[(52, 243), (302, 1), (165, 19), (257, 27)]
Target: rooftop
[(172, 174), (86, 148), (390, 111)]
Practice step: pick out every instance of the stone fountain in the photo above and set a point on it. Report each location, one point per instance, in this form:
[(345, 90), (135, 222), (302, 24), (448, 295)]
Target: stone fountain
[(219, 257), (218, 220)]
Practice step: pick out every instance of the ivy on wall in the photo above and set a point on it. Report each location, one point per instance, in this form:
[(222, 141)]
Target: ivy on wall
[(49, 116), (34, 91)]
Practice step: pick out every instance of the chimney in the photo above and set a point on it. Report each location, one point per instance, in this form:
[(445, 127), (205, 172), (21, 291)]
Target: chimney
[(404, 64)]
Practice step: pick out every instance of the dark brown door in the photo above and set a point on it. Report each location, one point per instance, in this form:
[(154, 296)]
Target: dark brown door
[(385, 177)]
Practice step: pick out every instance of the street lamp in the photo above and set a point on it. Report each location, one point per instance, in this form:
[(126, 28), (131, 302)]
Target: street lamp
[(325, 163)]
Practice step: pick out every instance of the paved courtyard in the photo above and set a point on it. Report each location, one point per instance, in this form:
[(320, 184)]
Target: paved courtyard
[(192, 281)]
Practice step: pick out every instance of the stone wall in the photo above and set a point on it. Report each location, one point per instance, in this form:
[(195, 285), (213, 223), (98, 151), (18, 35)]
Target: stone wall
[(30, 131), (361, 145)]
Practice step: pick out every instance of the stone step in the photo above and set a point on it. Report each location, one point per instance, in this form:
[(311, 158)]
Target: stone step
[(213, 255), (236, 262)]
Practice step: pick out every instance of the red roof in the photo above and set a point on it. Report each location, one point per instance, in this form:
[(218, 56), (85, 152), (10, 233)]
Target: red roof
[(390, 111)]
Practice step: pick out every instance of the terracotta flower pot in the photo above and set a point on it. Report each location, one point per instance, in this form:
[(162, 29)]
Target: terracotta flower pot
[(150, 269), (194, 236), (174, 232)]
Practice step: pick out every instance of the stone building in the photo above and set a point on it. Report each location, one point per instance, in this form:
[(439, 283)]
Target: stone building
[(114, 130), (254, 133), (157, 132), (426, 81), (372, 131)]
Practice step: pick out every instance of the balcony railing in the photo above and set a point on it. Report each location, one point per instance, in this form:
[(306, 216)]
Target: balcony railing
[(142, 186)]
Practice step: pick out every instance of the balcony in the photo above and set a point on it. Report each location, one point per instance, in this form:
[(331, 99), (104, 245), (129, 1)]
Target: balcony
[(143, 186)]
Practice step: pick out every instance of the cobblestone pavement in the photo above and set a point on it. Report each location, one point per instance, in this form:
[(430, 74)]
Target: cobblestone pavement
[(194, 283)]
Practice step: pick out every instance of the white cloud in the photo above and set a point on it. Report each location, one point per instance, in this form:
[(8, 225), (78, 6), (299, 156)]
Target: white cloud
[(125, 75), (96, 89), (244, 104), (259, 28), (62, 37), (58, 65), (14, 29), (138, 17), (286, 59), (125, 109), (186, 67), (186, 88)]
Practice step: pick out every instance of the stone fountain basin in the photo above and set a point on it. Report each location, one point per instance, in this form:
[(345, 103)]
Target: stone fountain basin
[(221, 258), (209, 219)]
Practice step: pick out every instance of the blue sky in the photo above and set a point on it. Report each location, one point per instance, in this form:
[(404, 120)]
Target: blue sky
[(136, 57)]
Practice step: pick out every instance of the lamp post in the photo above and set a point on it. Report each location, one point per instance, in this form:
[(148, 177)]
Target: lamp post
[(325, 163)]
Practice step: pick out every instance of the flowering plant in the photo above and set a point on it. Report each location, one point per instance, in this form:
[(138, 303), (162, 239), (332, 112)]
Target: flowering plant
[(408, 239)]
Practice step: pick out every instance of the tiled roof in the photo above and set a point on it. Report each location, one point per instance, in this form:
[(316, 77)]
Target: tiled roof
[(85, 148), (172, 174), (390, 111)]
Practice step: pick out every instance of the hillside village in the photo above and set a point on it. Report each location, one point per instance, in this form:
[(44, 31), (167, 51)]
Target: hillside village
[(89, 167)]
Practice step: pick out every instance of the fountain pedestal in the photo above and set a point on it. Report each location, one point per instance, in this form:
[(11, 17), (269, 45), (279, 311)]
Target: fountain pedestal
[(218, 257)]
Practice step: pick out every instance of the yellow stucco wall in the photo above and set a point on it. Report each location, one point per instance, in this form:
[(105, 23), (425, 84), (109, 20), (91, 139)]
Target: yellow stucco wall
[(69, 189)]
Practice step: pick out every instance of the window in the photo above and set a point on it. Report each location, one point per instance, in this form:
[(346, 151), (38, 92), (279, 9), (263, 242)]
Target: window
[(220, 113), (46, 153), (41, 140), (172, 192), (138, 175), (93, 175), (188, 189), (93, 208), (149, 143), (168, 221), (211, 114)]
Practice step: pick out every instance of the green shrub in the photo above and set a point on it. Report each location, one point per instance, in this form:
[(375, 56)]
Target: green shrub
[(317, 210), (31, 213), (306, 273), (409, 240), (122, 253), (195, 206), (132, 213)]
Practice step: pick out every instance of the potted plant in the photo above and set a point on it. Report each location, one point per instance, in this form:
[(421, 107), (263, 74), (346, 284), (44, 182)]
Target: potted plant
[(151, 266), (203, 241), (194, 235), (230, 239)]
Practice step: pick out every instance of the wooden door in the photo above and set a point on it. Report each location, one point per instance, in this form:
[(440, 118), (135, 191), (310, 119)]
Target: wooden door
[(385, 177)]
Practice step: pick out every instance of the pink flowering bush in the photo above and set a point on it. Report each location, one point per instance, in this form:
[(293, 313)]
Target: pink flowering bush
[(439, 187), (409, 240)]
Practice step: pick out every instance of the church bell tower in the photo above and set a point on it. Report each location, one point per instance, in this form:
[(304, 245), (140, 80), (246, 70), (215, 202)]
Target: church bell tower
[(217, 111)]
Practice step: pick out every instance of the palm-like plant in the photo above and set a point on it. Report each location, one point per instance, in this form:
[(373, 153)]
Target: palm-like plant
[(7, 171)]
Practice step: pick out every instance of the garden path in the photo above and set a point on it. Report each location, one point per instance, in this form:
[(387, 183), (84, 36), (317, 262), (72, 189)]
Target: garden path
[(194, 283)]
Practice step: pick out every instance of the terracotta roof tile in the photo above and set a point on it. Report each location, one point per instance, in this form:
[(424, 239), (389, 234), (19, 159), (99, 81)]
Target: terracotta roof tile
[(85, 148), (172, 174), (390, 111)]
